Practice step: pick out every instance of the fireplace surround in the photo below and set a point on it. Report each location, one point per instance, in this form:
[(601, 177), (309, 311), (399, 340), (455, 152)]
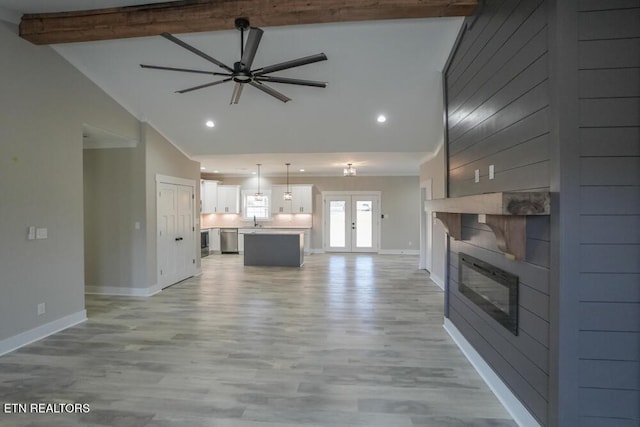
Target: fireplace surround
[(492, 289)]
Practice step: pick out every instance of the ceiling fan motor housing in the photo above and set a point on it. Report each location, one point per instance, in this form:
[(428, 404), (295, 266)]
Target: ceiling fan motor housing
[(242, 23), (240, 73)]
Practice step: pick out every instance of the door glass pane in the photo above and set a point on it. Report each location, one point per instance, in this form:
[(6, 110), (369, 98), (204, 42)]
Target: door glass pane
[(337, 223), (364, 224)]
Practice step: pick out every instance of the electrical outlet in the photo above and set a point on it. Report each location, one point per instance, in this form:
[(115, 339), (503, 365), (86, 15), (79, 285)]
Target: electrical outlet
[(476, 178), (41, 309), (492, 171)]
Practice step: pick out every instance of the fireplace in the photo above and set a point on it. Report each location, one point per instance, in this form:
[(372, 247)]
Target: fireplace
[(494, 290)]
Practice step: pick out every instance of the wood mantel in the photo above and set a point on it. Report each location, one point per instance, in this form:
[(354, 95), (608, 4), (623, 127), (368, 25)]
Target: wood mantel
[(504, 213)]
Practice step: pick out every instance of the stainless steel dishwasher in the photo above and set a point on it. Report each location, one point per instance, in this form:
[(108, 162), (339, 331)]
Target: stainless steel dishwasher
[(229, 240)]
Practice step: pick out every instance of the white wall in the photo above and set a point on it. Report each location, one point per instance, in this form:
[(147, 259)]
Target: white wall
[(43, 105), (433, 171)]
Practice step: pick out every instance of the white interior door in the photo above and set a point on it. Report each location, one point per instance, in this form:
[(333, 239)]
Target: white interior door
[(351, 223), (185, 231), (176, 244)]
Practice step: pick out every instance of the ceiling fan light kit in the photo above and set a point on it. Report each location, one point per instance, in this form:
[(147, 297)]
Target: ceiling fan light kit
[(241, 72)]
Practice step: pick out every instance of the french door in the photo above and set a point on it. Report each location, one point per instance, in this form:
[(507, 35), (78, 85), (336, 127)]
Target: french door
[(351, 222)]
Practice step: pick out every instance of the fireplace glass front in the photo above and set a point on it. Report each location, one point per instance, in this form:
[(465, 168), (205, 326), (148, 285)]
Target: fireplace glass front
[(494, 290)]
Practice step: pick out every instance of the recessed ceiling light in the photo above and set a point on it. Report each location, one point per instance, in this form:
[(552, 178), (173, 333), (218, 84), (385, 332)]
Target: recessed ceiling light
[(216, 171), (254, 173), (202, 168), (301, 170), (210, 124), (382, 118)]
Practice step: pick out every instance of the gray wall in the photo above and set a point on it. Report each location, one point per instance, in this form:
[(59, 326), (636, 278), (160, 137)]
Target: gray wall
[(549, 92), (163, 158), (608, 71), (497, 105), (114, 194), (400, 201), (44, 103), (435, 170)]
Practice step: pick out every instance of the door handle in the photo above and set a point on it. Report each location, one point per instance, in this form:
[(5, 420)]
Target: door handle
[(178, 239)]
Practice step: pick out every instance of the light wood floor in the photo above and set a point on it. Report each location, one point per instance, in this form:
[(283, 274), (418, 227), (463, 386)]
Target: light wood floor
[(347, 340)]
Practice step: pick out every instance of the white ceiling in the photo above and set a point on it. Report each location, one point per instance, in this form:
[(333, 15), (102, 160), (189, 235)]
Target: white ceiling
[(374, 67)]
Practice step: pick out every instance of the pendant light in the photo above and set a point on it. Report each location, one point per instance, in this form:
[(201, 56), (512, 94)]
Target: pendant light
[(287, 194), (258, 195), (349, 170)]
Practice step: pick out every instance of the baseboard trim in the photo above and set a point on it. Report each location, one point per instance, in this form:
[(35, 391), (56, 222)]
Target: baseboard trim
[(399, 252), (510, 402), (125, 292), (32, 335), (437, 280)]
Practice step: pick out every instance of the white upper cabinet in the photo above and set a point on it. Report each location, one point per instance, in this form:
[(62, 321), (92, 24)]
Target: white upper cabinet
[(208, 196), (228, 199), (302, 200), (278, 204)]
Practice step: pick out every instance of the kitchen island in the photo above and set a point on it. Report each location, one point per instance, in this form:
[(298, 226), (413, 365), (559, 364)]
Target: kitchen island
[(283, 248)]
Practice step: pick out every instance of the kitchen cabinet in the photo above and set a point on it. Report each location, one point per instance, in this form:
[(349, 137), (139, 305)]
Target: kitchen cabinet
[(302, 200), (228, 199), (278, 204), (241, 234), (243, 231), (214, 240), (208, 196)]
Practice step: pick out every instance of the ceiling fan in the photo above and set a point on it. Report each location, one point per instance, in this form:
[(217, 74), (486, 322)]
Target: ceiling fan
[(241, 73)]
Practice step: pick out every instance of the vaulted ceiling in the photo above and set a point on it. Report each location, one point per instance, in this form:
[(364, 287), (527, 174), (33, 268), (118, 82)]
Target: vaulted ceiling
[(380, 66)]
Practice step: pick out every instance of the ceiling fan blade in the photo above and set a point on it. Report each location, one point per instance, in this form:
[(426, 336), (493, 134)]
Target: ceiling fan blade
[(237, 91), (203, 86), (274, 79), (196, 51), (270, 91), (184, 70), (250, 49), (290, 64)]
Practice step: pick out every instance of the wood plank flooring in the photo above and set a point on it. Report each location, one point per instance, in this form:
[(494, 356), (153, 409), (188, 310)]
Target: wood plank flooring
[(346, 340)]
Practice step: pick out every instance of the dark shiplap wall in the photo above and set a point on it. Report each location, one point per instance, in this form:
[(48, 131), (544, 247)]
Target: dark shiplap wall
[(498, 101), (498, 113), (609, 76)]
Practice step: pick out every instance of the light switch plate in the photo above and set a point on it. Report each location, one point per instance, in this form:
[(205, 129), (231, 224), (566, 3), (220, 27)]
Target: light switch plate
[(31, 233), (41, 233), (492, 171), (477, 176)]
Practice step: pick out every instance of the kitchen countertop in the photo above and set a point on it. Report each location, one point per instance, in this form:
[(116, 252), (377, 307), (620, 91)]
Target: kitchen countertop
[(267, 227), (263, 231)]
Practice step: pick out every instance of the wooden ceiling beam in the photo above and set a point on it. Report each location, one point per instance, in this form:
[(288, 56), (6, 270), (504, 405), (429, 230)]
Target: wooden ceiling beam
[(210, 15)]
